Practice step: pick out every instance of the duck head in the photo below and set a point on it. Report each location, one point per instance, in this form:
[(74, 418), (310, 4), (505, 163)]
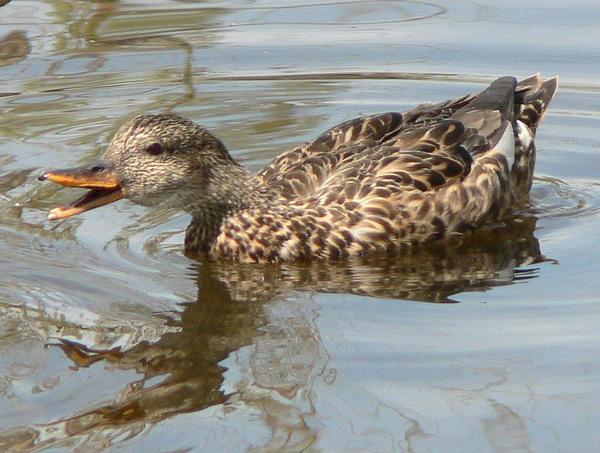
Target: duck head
[(154, 160)]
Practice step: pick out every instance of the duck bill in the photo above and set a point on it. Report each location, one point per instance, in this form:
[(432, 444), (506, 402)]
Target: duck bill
[(100, 178)]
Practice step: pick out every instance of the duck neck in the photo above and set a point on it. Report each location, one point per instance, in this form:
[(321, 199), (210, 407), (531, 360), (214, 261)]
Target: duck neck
[(229, 188)]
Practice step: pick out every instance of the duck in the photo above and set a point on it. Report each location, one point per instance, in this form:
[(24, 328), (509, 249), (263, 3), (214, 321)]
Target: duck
[(385, 182)]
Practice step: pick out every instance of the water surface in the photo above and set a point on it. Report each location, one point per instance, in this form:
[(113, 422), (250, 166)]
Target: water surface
[(111, 338)]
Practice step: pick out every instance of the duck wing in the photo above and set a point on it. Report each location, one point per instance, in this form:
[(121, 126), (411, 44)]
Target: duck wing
[(300, 171), (422, 159), (297, 172), (424, 140)]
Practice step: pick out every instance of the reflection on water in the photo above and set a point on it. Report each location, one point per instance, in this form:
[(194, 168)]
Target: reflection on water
[(151, 351), (14, 47), (240, 305)]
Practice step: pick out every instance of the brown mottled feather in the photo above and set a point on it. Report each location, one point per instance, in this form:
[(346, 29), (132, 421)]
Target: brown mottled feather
[(390, 180)]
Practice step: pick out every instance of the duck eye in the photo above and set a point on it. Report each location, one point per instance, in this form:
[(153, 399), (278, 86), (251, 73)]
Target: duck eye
[(154, 149)]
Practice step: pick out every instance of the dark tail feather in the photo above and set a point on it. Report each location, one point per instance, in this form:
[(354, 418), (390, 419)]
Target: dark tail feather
[(498, 96), (489, 111)]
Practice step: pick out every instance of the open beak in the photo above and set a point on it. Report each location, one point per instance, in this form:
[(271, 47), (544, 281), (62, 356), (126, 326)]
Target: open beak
[(99, 177)]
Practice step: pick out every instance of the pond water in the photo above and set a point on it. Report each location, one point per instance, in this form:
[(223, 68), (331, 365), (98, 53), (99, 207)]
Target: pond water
[(111, 339)]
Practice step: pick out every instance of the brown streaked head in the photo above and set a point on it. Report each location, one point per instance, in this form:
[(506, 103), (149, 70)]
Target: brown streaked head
[(152, 159)]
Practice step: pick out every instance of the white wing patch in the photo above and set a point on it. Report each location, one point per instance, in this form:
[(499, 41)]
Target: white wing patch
[(506, 144)]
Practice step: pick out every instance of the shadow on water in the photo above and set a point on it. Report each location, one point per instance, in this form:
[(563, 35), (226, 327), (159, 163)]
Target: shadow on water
[(237, 306)]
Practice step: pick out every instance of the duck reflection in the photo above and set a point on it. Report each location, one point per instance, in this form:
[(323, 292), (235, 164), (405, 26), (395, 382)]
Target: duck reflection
[(430, 274), (14, 47), (242, 308)]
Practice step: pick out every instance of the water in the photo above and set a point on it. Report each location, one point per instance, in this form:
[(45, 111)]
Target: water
[(110, 338)]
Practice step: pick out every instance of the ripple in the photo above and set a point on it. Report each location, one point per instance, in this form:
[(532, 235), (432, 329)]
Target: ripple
[(77, 65), (343, 13), (554, 198), (332, 14)]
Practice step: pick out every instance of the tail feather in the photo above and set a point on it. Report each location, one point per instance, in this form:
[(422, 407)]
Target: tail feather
[(530, 84), (504, 117), (532, 97)]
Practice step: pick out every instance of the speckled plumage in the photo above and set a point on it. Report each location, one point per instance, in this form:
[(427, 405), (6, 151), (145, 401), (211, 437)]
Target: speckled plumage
[(388, 181)]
